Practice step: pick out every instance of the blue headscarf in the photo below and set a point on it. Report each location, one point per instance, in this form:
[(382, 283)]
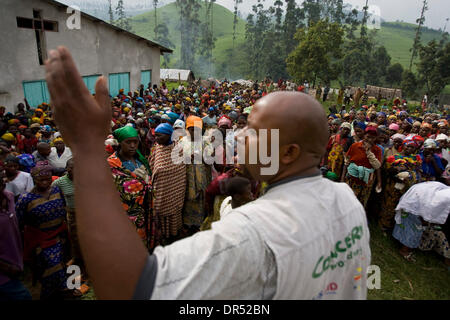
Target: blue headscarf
[(173, 117), (360, 125), (165, 128)]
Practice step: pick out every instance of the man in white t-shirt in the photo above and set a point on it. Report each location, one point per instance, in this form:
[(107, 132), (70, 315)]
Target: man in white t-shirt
[(305, 238), (19, 182)]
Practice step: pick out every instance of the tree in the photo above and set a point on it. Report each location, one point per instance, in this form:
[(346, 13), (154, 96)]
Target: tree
[(155, 7), (312, 10), (434, 66), (163, 39), (394, 74), (318, 53), (380, 63), (416, 44), (364, 20), (207, 40), (122, 20), (110, 12), (258, 24), (409, 85), (235, 20), (189, 31), (292, 21)]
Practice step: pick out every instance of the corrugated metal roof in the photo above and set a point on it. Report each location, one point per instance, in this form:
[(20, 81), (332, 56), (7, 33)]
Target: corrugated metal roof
[(92, 18)]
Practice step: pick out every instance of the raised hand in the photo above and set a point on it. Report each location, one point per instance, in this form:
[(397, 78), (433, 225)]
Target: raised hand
[(84, 121)]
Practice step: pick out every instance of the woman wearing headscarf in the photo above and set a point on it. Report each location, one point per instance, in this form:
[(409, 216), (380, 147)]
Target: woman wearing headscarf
[(131, 173), (198, 173), (359, 129), (168, 183), (396, 148), (42, 215), (432, 167), (401, 171), (361, 161), (340, 143)]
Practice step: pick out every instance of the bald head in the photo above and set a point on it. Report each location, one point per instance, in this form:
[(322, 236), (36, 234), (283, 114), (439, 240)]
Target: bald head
[(44, 149), (300, 118), (303, 135)]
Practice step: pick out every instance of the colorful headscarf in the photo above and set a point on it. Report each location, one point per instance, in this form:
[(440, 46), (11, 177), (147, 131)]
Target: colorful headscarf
[(58, 139), (127, 132), (394, 127), (346, 125), (42, 168), (410, 143), (224, 121), (46, 128), (164, 128), (8, 137), (35, 120), (193, 121), (360, 125), (26, 161), (173, 117), (398, 136), (179, 124), (430, 144)]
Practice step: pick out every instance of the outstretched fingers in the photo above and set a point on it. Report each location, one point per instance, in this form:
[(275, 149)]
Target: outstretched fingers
[(73, 78), (55, 80), (102, 94)]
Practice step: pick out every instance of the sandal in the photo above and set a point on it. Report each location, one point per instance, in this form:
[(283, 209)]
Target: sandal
[(409, 257)]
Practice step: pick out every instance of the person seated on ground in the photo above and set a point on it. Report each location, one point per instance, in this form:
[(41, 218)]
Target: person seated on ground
[(239, 191), (42, 152), (18, 182), (421, 213)]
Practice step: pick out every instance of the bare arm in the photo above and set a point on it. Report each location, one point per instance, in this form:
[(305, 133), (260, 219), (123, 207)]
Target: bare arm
[(114, 255)]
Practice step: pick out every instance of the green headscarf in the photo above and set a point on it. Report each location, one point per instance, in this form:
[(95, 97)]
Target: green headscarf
[(331, 176), (127, 132)]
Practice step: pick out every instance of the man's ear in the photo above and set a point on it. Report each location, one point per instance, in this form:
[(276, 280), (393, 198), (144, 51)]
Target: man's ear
[(289, 153)]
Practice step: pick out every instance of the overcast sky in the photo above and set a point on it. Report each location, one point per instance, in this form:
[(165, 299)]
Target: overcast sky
[(391, 10)]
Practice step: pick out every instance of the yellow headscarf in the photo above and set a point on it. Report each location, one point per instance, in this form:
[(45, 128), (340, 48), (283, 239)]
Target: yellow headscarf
[(8, 137)]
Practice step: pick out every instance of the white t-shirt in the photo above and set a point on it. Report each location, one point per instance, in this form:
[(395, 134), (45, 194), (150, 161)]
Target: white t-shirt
[(22, 184), (304, 239), (225, 207), (59, 162)]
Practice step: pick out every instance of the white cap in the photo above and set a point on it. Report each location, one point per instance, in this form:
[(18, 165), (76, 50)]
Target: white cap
[(441, 137)]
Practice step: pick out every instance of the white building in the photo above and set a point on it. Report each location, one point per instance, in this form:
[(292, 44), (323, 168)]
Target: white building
[(30, 28), (177, 75)]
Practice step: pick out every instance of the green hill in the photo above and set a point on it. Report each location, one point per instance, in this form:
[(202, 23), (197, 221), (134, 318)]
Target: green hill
[(397, 37), (144, 24)]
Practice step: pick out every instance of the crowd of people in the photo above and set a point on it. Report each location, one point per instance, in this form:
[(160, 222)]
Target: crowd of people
[(380, 151)]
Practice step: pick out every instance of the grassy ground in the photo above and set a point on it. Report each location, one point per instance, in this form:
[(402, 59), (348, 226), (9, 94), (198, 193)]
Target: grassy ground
[(426, 279)]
